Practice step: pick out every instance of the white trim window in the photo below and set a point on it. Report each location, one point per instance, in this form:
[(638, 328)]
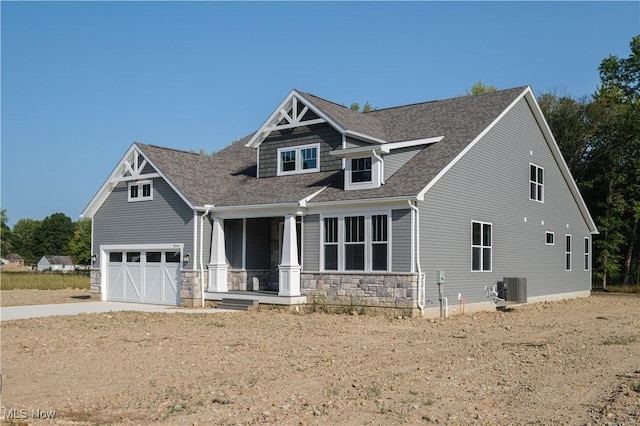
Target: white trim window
[(356, 242), (379, 242), (331, 244), (481, 246), (587, 252), (536, 183), (361, 170), (567, 252), (140, 191), (549, 238), (299, 159)]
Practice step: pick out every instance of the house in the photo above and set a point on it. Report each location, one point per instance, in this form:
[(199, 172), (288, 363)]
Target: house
[(14, 259), (323, 204), (55, 263)]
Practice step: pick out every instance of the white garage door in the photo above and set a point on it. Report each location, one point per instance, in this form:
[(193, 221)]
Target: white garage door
[(151, 276)]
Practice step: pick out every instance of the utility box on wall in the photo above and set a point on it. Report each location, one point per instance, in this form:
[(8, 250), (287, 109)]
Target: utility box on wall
[(439, 277)]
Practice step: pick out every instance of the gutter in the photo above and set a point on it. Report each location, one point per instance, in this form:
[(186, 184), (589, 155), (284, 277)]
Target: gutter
[(377, 156), (421, 290)]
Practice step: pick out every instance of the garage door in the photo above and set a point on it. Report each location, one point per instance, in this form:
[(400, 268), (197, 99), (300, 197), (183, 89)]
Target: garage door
[(151, 276)]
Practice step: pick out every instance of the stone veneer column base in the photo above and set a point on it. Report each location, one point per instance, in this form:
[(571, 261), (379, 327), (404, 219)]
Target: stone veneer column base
[(190, 288), (95, 284)]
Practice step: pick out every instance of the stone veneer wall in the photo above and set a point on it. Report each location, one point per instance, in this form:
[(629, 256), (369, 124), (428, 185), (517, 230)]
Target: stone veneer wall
[(241, 280), (383, 290), (190, 287), (95, 284)]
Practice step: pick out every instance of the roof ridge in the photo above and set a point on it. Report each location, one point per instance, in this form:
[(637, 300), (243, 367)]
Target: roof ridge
[(445, 99)]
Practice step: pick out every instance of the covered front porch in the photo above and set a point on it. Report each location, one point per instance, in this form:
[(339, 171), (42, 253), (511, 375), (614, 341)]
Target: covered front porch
[(255, 257)]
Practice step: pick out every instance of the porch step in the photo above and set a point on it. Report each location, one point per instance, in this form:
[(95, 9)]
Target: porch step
[(237, 304)]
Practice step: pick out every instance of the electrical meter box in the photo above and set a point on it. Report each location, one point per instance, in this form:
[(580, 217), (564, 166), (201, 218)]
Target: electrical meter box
[(439, 277)]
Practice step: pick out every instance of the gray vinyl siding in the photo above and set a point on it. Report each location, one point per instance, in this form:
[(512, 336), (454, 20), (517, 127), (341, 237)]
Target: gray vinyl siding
[(311, 250), (323, 134), (398, 158), (401, 240), (491, 184), (166, 219), (233, 242), (258, 246), (206, 239)]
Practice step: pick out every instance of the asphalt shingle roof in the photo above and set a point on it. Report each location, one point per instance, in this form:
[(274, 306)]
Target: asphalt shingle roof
[(228, 177)]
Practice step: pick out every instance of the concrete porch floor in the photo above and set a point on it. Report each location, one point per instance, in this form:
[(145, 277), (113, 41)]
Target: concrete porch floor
[(266, 297)]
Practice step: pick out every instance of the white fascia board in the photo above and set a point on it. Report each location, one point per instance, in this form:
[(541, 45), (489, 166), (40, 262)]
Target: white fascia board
[(468, 147), (358, 205), (407, 144), (384, 148), (257, 210), (557, 154), (112, 181), (354, 152), (363, 137), (263, 131)]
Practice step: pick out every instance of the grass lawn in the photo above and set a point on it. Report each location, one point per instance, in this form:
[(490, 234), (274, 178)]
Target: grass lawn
[(35, 281)]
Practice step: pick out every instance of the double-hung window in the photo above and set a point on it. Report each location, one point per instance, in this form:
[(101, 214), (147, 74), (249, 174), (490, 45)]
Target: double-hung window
[(379, 252), (567, 252), (356, 243), (536, 183), (299, 159), (481, 246), (331, 243), (586, 253), (361, 170), (140, 191)]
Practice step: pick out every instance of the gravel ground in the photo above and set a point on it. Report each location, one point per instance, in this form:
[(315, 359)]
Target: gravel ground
[(572, 362)]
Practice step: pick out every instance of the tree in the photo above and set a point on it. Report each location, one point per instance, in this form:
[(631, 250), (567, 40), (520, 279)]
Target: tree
[(6, 246), (366, 108), (24, 240), (54, 235), (572, 128), (615, 162), (479, 87), (80, 244)]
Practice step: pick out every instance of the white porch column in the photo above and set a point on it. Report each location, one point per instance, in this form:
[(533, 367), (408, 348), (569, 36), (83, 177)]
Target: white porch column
[(218, 260), (289, 269)]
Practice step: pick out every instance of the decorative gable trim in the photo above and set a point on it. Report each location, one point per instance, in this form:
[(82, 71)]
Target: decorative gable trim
[(130, 168), (294, 111)]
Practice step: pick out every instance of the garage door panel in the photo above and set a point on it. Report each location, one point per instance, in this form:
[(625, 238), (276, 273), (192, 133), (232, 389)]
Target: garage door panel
[(115, 289), (153, 283)]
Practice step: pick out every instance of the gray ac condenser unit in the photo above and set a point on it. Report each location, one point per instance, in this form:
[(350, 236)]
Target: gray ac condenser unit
[(516, 289)]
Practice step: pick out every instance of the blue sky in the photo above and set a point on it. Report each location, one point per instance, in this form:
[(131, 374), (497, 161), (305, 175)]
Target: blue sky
[(81, 81)]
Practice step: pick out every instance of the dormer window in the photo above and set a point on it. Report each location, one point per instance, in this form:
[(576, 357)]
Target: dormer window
[(299, 159), (140, 191), (361, 170)]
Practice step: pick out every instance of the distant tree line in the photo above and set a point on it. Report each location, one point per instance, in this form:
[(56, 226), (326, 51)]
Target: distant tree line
[(55, 235)]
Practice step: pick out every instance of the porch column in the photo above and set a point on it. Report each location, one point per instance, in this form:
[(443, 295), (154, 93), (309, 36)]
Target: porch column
[(218, 260), (289, 269)]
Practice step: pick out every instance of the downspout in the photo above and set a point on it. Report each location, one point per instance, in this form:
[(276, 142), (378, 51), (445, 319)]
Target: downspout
[(421, 291), (201, 256), (375, 154)]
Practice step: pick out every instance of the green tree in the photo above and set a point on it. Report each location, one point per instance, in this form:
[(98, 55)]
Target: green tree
[(6, 246), (614, 158), (24, 240), (366, 108), (479, 87), (80, 244), (54, 235)]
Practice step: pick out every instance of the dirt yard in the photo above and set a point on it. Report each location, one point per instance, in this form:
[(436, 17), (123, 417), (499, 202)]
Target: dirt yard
[(572, 362)]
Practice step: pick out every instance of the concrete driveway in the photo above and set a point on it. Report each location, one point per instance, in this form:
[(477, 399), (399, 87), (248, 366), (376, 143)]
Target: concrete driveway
[(33, 311)]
